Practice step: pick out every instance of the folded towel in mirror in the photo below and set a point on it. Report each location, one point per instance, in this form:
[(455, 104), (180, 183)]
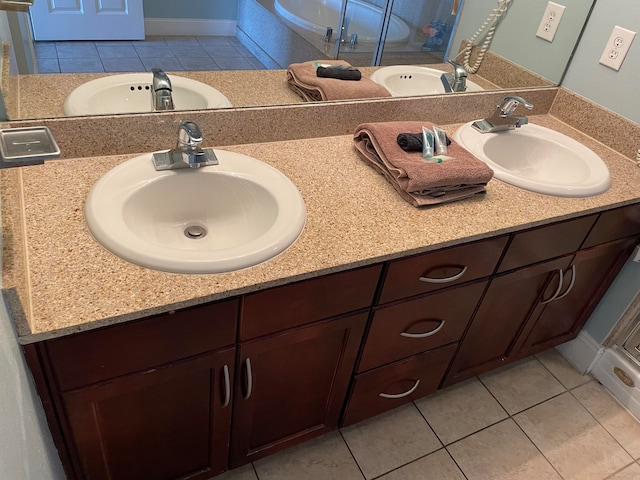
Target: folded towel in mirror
[(341, 73), (417, 181), (302, 79), (412, 142)]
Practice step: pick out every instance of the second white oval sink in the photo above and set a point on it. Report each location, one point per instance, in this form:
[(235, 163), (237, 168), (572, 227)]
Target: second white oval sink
[(539, 159), (131, 93), (207, 220), (411, 80)]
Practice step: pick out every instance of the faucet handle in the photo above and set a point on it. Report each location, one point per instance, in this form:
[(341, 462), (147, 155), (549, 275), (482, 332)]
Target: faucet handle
[(510, 103)]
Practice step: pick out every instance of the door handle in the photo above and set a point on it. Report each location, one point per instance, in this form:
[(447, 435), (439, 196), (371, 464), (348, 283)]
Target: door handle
[(426, 334), (401, 395), (227, 386), (570, 287), (247, 364), (444, 280), (557, 292)]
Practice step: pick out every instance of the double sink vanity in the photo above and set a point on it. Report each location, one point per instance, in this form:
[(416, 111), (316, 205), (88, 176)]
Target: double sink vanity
[(148, 374)]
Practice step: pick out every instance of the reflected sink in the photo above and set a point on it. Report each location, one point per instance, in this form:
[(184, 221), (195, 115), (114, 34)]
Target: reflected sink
[(131, 93), (409, 80), (539, 159), (211, 219)]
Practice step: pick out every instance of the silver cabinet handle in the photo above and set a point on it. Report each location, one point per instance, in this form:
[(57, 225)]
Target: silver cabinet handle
[(553, 297), (401, 395), (247, 363), (573, 281), (227, 386), (426, 334), (444, 280)]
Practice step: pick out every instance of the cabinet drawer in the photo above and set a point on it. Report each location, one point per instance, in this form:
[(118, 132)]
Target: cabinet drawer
[(388, 387), (443, 268), (419, 325), (615, 224), (280, 308), (98, 355), (544, 243)]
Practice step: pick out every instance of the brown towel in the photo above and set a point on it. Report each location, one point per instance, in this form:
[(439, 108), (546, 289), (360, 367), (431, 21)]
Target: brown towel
[(302, 79), (417, 181)]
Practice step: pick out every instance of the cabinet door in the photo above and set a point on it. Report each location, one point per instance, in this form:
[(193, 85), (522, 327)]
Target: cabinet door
[(291, 386), (585, 282), (510, 301), (169, 422)]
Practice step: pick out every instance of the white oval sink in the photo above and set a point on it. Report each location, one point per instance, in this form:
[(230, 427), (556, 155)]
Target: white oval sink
[(410, 80), (539, 159), (207, 220), (131, 93)]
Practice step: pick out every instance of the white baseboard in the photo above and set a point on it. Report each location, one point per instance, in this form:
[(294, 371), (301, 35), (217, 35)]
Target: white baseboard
[(189, 26), (582, 352)]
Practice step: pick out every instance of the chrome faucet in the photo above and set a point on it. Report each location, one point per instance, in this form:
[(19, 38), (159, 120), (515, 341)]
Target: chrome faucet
[(161, 91), (187, 153), (503, 118), (456, 81)]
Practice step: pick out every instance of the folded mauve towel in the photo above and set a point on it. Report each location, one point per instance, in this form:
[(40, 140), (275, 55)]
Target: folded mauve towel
[(417, 181), (302, 79)]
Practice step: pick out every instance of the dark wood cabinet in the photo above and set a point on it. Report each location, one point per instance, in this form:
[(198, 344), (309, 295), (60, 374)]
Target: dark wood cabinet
[(291, 386), (169, 422), (191, 393), (510, 301), (589, 276)]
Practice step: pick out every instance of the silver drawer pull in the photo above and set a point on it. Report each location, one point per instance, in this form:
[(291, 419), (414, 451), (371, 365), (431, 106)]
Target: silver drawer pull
[(227, 387), (401, 395), (247, 363), (444, 280), (426, 334), (573, 281), (560, 281)]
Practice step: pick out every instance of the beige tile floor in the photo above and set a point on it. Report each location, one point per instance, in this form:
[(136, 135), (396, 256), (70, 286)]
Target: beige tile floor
[(535, 420)]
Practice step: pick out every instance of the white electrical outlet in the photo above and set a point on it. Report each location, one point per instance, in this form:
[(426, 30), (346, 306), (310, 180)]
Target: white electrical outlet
[(550, 21), (617, 47)]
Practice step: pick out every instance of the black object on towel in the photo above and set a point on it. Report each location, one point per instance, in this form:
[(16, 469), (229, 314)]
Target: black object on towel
[(349, 73), (412, 142)]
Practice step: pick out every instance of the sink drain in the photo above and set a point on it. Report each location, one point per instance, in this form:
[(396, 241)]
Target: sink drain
[(195, 231)]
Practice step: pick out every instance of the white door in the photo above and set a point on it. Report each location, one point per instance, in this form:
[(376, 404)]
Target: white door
[(87, 20)]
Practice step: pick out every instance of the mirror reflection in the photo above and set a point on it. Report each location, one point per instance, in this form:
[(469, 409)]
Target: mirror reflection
[(247, 64)]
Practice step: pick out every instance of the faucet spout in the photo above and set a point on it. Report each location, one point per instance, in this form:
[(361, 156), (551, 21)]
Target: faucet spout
[(161, 91), (503, 118)]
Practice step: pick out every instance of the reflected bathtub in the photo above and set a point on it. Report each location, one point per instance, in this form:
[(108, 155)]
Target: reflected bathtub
[(363, 18)]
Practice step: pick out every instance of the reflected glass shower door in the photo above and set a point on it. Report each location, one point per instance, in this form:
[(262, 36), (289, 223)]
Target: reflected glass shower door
[(396, 32)]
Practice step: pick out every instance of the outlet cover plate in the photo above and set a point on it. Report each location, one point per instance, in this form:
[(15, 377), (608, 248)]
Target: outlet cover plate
[(550, 21), (617, 47)]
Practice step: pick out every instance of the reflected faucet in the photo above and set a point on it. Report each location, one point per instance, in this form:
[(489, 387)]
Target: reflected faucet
[(503, 118), (187, 153), (456, 81), (161, 91)]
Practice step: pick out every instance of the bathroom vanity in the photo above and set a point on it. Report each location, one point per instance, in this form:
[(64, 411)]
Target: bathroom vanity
[(145, 374)]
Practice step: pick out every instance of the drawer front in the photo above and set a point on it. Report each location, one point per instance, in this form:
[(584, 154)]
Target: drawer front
[(110, 352), (545, 243), (388, 387), (443, 268), (615, 224), (280, 308), (418, 325)]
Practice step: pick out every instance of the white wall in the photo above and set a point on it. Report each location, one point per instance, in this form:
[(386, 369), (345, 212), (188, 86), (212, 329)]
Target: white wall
[(617, 91), (515, 38)]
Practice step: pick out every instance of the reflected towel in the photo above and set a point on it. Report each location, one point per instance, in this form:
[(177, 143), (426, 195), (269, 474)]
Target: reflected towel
[(302, 79), (417, 181)]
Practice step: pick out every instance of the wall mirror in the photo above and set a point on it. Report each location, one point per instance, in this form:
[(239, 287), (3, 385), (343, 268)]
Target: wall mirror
[(366, 33)]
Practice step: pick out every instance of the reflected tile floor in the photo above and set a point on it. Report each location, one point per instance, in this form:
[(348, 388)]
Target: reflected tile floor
[(176, 53), (537, 419)]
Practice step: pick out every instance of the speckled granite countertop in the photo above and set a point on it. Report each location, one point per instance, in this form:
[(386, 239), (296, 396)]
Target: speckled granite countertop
[(354, 218)]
